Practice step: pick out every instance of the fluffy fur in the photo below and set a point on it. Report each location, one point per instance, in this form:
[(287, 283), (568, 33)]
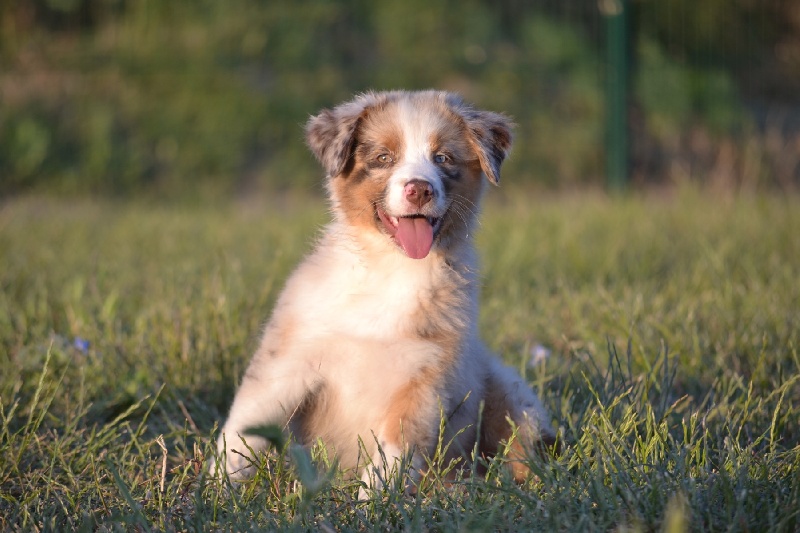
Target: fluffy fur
[(375, 335)]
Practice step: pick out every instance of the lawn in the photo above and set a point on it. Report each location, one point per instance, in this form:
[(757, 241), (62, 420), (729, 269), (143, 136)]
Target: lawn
[(661, 332)]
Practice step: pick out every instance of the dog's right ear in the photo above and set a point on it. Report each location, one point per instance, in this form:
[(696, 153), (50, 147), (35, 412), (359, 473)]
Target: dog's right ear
[(331, 134)]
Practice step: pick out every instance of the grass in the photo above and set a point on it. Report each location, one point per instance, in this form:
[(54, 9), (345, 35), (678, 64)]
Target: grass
[(674, 373)]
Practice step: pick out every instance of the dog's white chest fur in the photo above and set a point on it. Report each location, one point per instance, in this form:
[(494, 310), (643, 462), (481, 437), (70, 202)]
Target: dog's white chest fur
[(348, 293)]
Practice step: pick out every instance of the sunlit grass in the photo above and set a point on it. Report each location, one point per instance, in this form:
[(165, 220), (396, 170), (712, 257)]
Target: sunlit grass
[(674, 375)]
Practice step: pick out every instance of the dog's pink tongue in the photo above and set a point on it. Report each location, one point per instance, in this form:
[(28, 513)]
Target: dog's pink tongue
[(415, 235)]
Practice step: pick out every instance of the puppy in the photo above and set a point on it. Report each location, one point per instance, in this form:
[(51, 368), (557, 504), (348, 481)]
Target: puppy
[(375, 336)]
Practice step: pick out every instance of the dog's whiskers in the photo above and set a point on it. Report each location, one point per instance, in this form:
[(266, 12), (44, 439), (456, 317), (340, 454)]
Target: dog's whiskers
[(463, 211)]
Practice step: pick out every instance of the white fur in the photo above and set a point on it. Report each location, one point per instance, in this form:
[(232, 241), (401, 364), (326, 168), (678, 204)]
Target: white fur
[(416, 163)]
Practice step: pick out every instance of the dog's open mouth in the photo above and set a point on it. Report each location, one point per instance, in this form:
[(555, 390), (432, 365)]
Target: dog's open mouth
[(414, 233)]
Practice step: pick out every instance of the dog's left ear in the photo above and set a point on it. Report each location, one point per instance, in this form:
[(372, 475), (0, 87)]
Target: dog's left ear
[(331, 134), (490, 135)]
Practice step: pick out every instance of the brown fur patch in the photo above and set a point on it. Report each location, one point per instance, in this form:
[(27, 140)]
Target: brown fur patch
[(496, 430), (357, 194), (403, 422), (313, 414)]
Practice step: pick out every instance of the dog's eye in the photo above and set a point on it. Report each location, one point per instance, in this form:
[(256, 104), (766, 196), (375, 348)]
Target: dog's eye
[(441, 159), (385, 159)]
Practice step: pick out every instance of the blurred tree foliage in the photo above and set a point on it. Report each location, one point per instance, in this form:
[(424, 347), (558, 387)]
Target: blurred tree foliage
[(204, 97)]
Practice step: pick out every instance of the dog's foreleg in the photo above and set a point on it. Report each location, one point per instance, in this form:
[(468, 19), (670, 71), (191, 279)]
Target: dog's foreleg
[(409, 430), (271, 392)]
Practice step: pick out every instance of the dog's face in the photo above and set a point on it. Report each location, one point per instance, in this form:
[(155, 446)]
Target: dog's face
[(410, 166)]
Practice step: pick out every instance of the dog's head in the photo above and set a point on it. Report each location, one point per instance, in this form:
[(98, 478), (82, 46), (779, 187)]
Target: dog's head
[(410, 165)]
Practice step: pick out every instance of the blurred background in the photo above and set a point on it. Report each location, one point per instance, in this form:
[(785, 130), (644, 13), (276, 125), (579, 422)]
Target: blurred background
[(207, 98)]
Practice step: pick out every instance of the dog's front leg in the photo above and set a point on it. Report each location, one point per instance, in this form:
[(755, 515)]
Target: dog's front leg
[(271, 391), (409, 430)]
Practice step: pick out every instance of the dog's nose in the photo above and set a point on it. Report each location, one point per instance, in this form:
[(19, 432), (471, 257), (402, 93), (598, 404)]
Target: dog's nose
[(418, 192)]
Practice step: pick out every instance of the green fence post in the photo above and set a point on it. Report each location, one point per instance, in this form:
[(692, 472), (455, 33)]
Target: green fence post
[(616, 14)]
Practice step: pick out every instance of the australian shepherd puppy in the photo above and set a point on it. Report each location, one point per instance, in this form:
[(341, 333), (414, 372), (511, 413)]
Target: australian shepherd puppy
[(374, 340)]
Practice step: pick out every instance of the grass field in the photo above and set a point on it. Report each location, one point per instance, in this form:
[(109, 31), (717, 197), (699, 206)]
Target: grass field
[(672, 326)]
